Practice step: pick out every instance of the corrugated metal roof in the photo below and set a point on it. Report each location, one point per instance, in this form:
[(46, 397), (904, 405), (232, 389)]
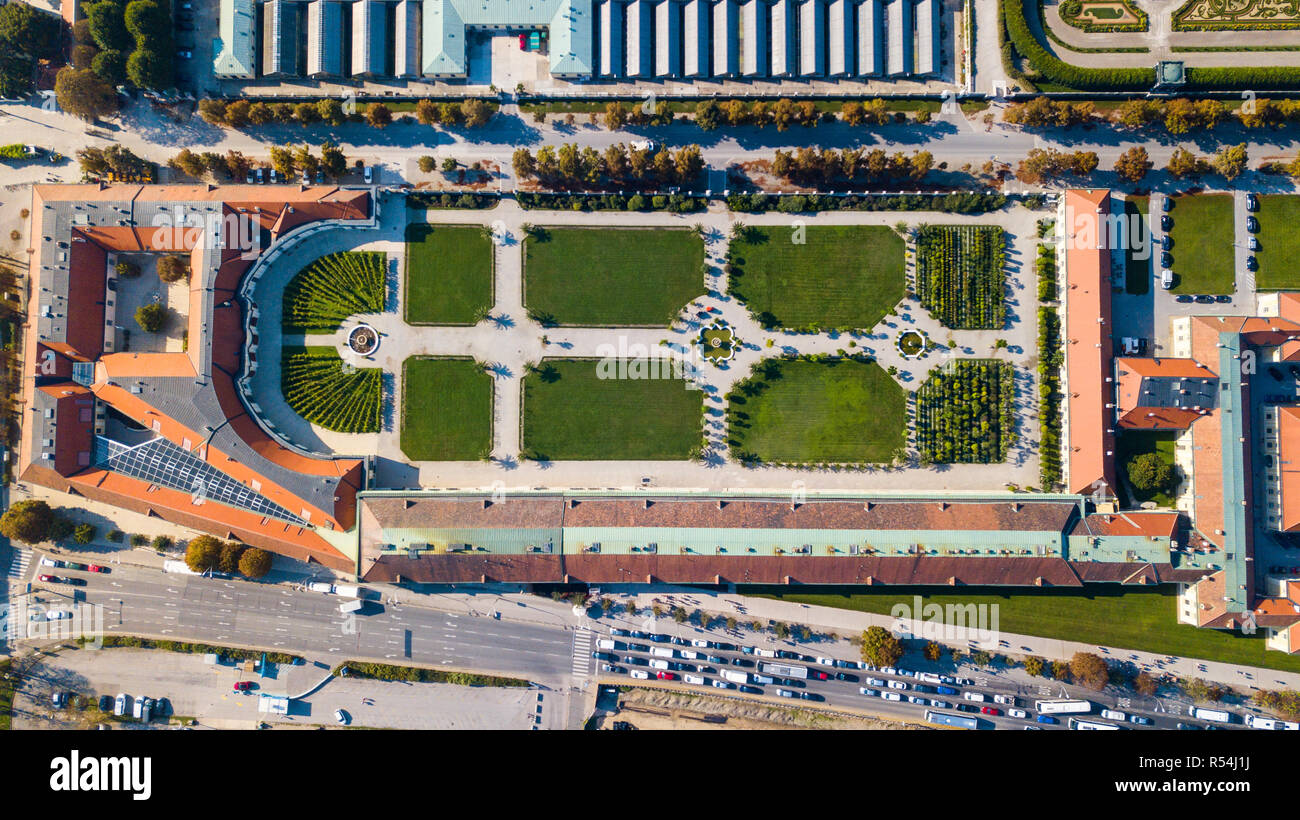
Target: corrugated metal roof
[(899, 14), (696, 42), (726, 39), (639, 33), (237, 52), (324, 38), (612, 60), (812, 38), (754, 38), (406, 38), (668, 39), (928, 48), (783, 21), (369, 38), (871, 39), (839, 37)]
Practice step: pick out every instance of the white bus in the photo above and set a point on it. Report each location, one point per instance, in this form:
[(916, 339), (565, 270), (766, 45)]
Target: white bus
[(1075, 723), (1213, 715), (1066, 707), (784, 670)]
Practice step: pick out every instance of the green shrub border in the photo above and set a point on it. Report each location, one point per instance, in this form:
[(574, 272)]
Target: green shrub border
[(1224, 25), (415, 674), (1092, 27), (1061, 72), (133, 642)]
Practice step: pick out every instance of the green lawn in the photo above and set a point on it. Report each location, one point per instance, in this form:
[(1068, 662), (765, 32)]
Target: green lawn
[(840, 277), (1104, 615), (612, 277), (844, 411), (1133, 443), (1137, 272), (1203, 237), (1279, 243), (446, 410), (448, 274), (571, 414)]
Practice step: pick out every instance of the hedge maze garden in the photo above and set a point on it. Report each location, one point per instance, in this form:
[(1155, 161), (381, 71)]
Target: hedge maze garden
[(318, 388), (961, 276), (964, 413), (333, 288)]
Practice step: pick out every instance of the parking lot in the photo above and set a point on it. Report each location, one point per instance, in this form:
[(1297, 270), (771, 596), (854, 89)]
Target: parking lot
[(781, 675)]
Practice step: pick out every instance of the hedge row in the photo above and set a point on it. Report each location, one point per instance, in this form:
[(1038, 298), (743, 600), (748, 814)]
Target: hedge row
[(1244, 77), (1061, 72), (1050, 359), (959, 203), (612, 202), (195, 649), (384, 671), (468, 201)]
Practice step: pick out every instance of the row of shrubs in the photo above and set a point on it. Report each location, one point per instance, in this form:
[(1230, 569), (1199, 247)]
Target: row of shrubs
[(425, 200), (956, 203), (1050, 358), (196, 649), (412, 674), (676, 203)]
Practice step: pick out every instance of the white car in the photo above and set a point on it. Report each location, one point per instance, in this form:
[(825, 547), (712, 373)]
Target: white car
[(891, 696), (1007, 699), (119, 704), (975, 696), (48, 562), (876, 682), (940, 704), (639, 674), (862, 690), (915, 699), (722, 684), (699, 642), (1017, 713), (341, 717), (689, 654), (57, 615), (826, 661), (369, 174), (785, 693), (1111, 714), (644, 145), (693, 679), (897, 684), (889, 670)]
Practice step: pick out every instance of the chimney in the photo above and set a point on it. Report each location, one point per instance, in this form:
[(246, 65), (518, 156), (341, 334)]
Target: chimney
[(721, 503), (648, 502), (408, 503), (487, 502), (573, 502)]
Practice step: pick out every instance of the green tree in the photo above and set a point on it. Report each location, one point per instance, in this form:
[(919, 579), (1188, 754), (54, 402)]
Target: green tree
[(449, 164), (1183, 163), (108, 26), (880, 648), (932, 651), (680, 615), (1148, 472), (255, 563), (81, 93), (151, 317), (426, 112), (378, 115), (708, 114), (1145, 684), (630, 607), (781, 630), (475, 112), (1034, 666), (203, 553), (1283, 702), (332, 160), (148, 20), (213, 112), (146, 68), (1090, 670), (1133, 164), (173, 268), (306, 113), (615, 115), (1204, 691), (331, 112), (1060, 670), (731, 624), (1231, 161), (30, 521)]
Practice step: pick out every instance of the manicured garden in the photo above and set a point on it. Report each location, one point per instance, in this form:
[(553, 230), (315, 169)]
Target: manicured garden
[(961, 275), (838, 277), (318, 388), (333, 288), (1203, 238), (1134, 443), (570, 413), (1279, 242), (1050, 359), (611, 277), (964, 413), (448, 274), (1101, 614), (816, 411), (446, 410)]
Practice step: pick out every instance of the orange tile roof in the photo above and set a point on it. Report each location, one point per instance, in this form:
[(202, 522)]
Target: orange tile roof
[(119, 366), (1207, 479), (1088, 346), (1151, 524), (1288, 457), (1130, 373), (1288, 306)]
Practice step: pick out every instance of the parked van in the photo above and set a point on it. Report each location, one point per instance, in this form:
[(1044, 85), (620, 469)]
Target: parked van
[(764, 653), (658, 663), (604, 643), (1166, 279), (661, 652), (1111, 714), (762, 680), (975, 696), (693, 679), (137, 709)]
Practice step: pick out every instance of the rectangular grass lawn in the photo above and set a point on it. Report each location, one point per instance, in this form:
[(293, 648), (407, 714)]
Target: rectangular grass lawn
[(1133, 443), (572, 415), (802, 411), (1279, 242), (1203, 237), (1122, 619), (1137, 272), (448, 274), (839, 277), (446, 410), (612, 277)]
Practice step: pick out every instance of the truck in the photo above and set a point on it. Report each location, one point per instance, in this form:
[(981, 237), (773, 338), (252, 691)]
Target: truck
[(1063, 706), (351, 606), (1212, 715), (347, 590), (661, 652), (735, 676), (784, 670), (319, 586)]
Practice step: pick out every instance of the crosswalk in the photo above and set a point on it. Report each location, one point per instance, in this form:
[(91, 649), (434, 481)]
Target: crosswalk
[(18, 564), (582, 653)]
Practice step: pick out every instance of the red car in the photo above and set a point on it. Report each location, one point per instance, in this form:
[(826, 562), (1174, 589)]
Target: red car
[(818, 675), (989, 710), (523, 42), (96, 568), (49, 579), (243, 685), (666, 676)]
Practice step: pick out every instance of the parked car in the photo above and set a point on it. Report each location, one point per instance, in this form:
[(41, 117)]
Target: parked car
[(57, 615), (1252, 204), (1184, 297), (784, 693), (1017, 713), (818, 675), (51, 562), (119, 704), (1252, 244), (59, 699), (1166, 259), (1166, 242), (663, 675), (891, 696), (1139, 720), (620, 633), (897, 684), (49, 579), (1223, 299), (1251, 264), (722, 684), (639, 674), (1166, 203), (751, 690), (846, 676), (368, 174), (989, 710), (1166, 223), (1204, 299), (1252, 224), (341, 717), (869, 692), (185, 55), (76, 566), (1047, 719), (105, 703), (243, 685), (96, 568), (806, 695)]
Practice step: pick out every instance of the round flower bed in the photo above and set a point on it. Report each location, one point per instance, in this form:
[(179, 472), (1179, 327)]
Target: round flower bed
[(911, 344), (363, 340)]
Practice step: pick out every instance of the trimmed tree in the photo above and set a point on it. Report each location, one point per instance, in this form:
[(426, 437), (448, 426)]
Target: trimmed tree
[(81, 93), (30, 522), (228, 559), (84, 533), (203, 553), (151, 317), (880, 648), (255, 563)]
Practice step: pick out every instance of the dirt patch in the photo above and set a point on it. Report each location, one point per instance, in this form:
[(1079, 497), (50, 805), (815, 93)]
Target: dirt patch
[(659, 709)]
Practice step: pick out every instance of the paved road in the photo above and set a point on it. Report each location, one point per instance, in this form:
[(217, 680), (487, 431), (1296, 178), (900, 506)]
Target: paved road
[(145, 602)]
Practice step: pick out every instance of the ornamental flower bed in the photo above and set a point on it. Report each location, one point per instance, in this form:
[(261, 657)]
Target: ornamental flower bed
[(964, 413), (333, 288), (961, 276), (318, 388)]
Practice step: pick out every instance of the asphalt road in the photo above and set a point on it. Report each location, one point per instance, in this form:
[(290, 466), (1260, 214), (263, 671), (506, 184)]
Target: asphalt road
[(141, 601)]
